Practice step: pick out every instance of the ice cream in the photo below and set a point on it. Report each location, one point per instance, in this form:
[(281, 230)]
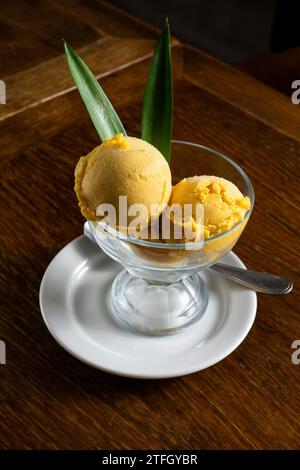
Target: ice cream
[(224, 204), (123, 166)]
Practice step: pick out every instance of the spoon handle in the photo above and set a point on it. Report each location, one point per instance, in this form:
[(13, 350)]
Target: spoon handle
[(258, 281)]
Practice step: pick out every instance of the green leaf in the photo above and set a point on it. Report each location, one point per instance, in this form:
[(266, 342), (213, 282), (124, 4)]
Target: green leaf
[(100, 109), (157, 115)]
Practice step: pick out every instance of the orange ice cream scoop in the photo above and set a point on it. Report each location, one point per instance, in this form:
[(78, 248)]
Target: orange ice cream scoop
[(123, 166), (223, 203)]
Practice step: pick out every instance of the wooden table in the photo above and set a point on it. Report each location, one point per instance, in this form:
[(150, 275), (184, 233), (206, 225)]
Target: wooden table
[(277, 70), (50, 400)]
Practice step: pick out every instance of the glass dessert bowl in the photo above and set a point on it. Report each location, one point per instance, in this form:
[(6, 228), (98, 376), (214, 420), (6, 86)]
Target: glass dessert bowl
[(161, 291)]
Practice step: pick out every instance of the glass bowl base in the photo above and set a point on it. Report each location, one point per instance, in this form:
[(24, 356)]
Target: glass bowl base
[(157, 308)]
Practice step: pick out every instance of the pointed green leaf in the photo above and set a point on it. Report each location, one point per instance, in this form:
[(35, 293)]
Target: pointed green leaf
[(157, 114), (100, 109)]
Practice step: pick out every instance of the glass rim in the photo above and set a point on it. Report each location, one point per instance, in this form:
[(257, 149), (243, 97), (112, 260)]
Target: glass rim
[(191, 245)]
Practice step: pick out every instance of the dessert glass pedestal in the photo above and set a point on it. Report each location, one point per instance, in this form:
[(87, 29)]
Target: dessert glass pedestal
[(161, 291)]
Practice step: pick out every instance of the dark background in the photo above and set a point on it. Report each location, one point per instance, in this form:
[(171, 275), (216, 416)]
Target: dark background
[(233, 30)]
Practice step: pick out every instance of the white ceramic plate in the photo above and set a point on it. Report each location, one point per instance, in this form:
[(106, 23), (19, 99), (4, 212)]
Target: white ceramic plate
[(73, 301)]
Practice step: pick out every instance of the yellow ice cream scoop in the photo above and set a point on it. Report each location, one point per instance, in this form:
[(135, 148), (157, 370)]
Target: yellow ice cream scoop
[(223, 204), (123, 166)]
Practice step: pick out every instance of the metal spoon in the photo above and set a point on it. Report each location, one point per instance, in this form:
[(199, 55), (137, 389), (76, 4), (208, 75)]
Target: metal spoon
[(255, 280)]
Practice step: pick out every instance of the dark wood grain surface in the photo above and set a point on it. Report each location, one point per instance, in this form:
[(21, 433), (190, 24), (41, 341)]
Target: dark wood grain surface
[(48, 399), (277, 70)]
